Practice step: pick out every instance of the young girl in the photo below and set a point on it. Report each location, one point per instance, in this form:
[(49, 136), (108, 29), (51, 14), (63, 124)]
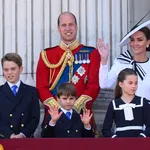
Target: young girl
[(128, 112)]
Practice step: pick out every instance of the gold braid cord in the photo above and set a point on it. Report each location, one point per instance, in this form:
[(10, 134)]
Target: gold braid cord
[(81, 102), (59, 74), (48, 64), (51, 102), (66, 58)]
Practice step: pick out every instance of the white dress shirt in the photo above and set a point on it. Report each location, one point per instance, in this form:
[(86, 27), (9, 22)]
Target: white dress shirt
[(17, 84)]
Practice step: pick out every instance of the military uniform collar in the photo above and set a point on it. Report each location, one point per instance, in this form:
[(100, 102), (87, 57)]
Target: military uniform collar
[(71, 46)]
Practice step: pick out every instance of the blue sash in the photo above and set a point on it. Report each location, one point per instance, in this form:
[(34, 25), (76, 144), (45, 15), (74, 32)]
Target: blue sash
[(84, 52)]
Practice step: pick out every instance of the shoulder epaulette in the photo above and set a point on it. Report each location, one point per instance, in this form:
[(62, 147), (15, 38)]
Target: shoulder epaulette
[(49, 48), (88, 46)]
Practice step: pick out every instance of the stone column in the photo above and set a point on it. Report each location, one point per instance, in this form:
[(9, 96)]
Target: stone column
[(100, 107)]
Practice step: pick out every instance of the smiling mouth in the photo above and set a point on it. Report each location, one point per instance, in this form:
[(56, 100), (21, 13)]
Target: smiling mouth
[(136, 47), (68, 33), (133, 90), (10, 77)]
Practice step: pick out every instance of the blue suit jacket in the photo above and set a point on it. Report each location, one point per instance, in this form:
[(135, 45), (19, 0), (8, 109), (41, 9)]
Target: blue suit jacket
[(66, 128), (18, 113)]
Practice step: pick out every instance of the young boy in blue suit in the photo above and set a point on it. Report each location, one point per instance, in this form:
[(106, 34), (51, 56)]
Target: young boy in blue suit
[(19, 104), (64, 122)]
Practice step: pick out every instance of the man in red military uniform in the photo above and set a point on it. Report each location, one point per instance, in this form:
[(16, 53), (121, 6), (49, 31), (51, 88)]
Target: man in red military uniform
[(70, 61)]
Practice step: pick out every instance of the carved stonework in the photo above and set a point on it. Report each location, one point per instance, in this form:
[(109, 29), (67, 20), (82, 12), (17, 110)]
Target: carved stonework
[(100, 106)]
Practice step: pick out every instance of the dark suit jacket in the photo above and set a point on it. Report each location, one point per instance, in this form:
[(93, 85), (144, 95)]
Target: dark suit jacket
[(18, 113), (66, 128)]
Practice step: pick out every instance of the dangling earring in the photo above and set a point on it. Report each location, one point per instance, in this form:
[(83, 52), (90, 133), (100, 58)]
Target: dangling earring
[(147, 46)]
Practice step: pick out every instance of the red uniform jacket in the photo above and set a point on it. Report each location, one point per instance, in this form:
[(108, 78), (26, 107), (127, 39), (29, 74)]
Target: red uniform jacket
[(85, 73)]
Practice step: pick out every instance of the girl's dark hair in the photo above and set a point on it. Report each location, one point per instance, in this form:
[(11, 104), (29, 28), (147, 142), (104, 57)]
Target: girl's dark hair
[(121, 77), (66, 89)]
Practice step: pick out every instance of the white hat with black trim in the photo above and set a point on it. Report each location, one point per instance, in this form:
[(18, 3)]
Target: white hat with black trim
[(126, 39)]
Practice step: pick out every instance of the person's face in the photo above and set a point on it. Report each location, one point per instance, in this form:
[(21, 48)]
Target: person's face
[(11, 71), (129, 85), (66, 102), (67, 28), (138, 43)]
